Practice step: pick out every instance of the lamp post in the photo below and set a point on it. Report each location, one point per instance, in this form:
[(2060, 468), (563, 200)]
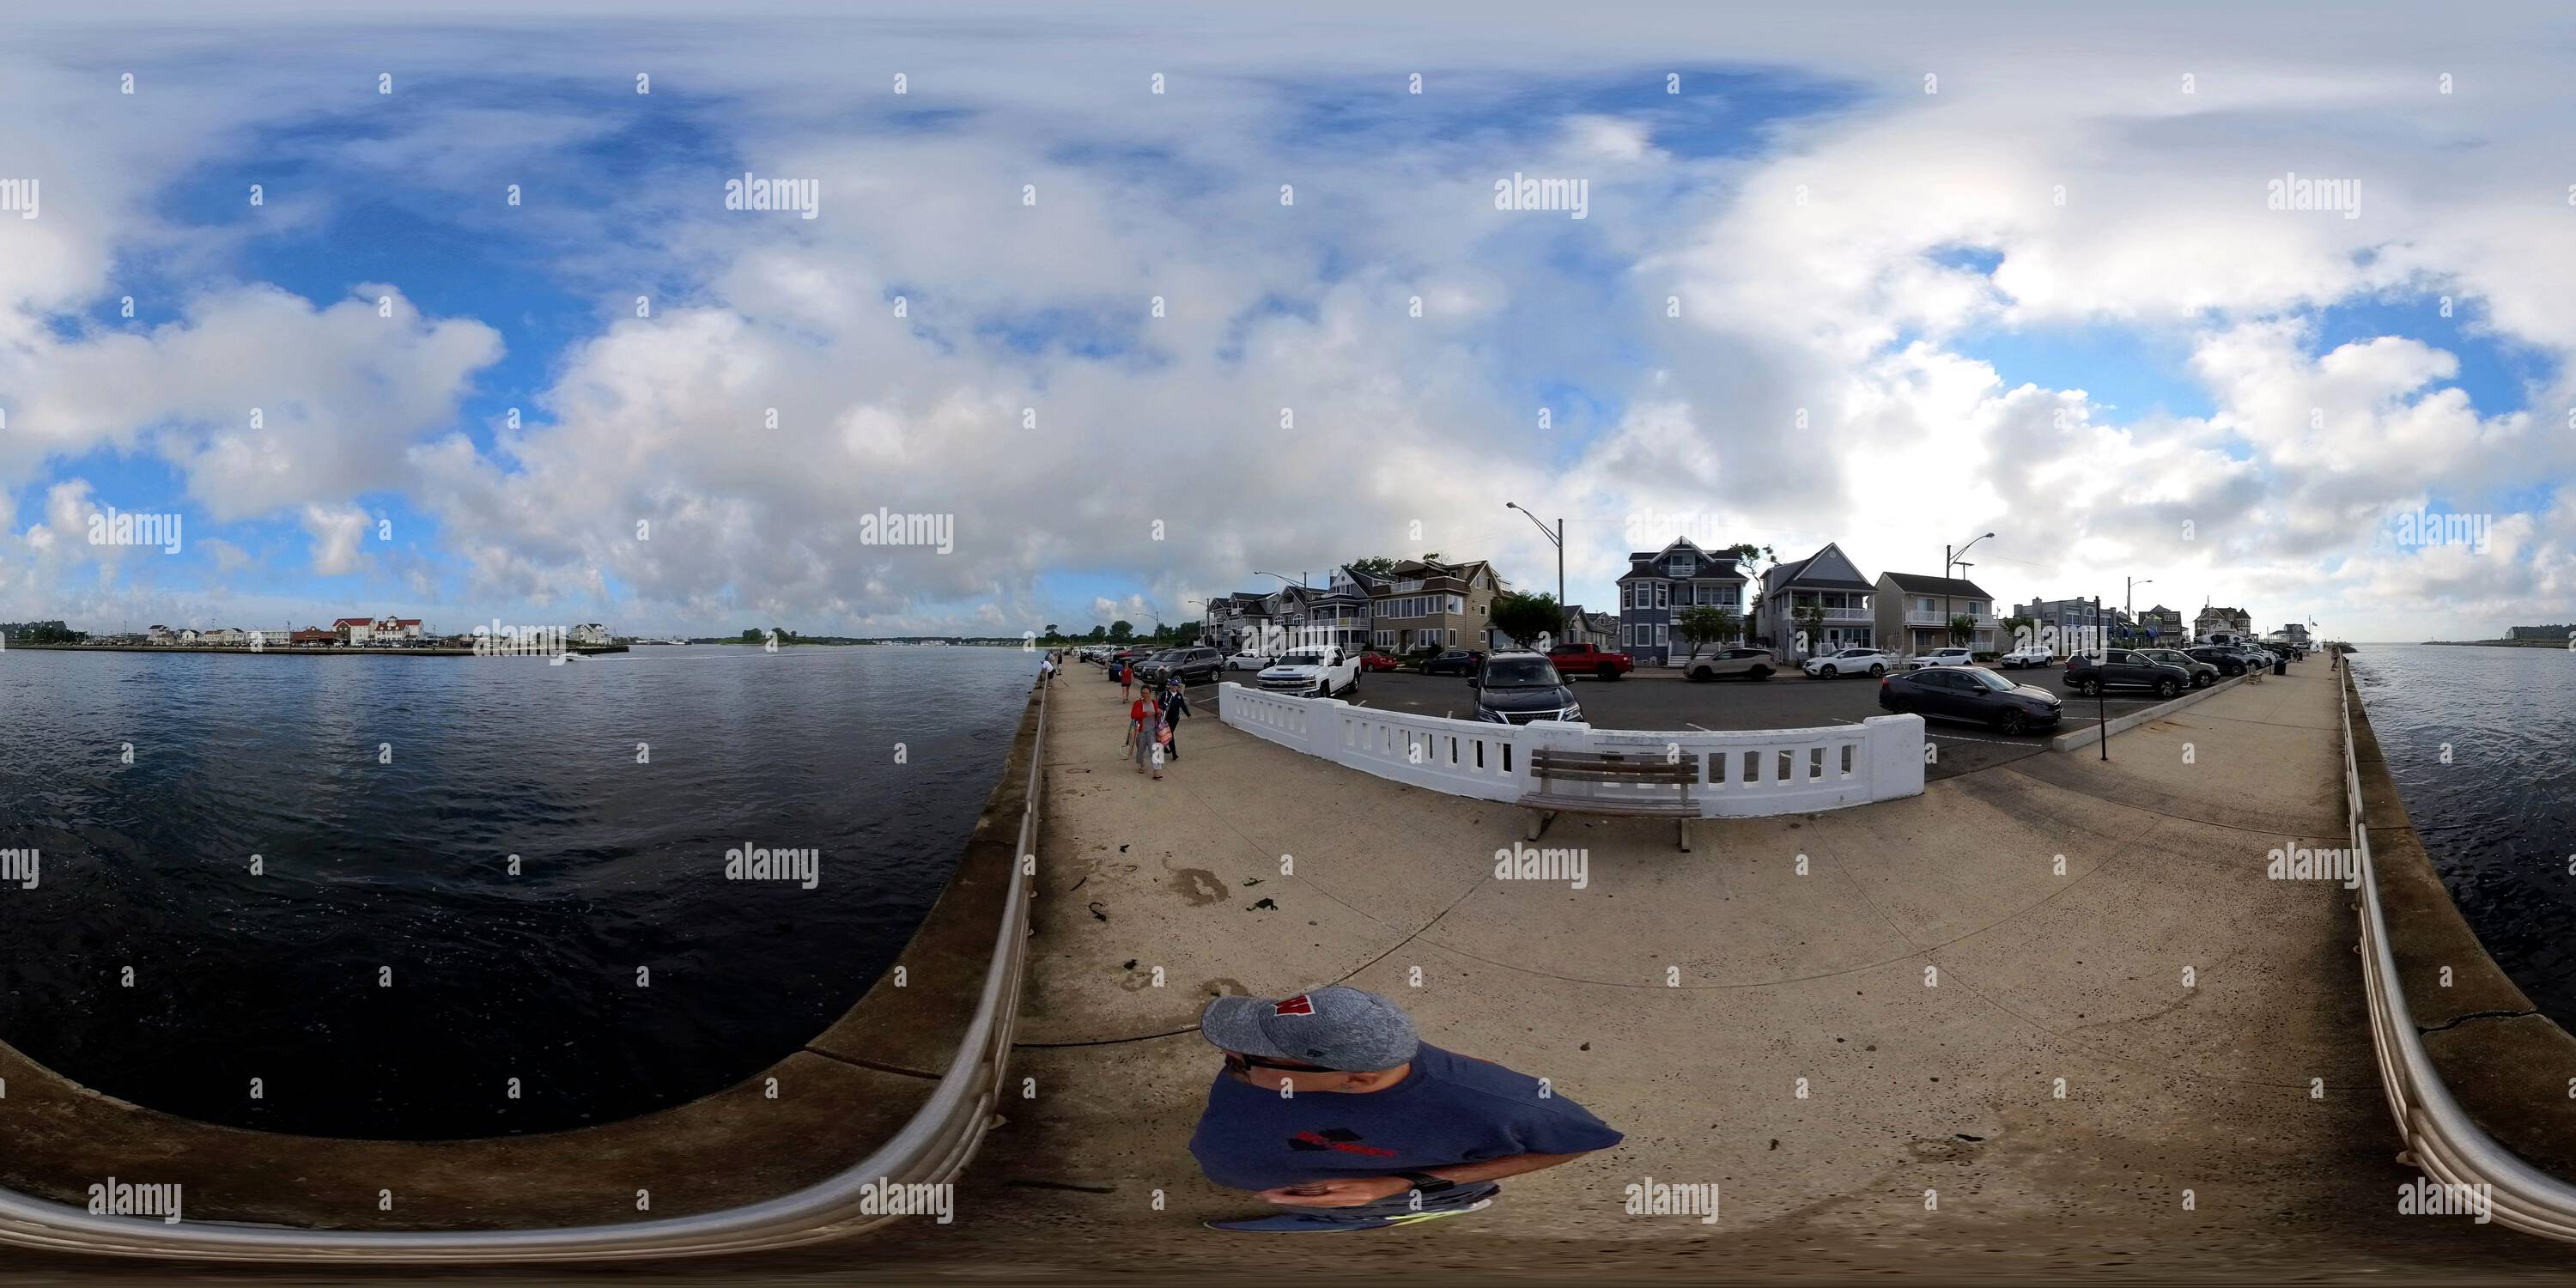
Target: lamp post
[(1556, 538), (1949, 557)]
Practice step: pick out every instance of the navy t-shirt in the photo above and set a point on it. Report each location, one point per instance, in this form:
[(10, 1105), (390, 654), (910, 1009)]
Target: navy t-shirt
[(1450, 1109)]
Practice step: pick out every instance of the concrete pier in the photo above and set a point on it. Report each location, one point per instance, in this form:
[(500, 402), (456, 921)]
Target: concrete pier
[(2050, 1017)]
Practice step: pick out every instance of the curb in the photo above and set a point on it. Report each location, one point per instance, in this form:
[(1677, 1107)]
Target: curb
[(2091, 734)]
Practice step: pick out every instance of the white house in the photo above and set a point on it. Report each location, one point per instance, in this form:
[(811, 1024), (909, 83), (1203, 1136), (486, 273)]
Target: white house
[(589, 633)]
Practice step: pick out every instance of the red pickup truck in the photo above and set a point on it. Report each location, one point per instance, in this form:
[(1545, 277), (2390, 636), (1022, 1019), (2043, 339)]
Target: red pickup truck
[(1585, 659)]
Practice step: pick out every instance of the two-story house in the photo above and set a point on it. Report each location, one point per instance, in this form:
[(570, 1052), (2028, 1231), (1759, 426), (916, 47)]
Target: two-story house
[(1425, 604), (2065, 627), (1660, 584), (1339, 612), (2162, 625), (2214, 621), (1832, 585), (1914, 613)]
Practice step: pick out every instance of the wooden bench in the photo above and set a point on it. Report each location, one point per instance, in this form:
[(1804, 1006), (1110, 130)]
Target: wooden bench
[(1551, 767)]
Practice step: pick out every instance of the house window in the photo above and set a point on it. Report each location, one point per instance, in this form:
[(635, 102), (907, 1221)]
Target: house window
[(1663, 594)]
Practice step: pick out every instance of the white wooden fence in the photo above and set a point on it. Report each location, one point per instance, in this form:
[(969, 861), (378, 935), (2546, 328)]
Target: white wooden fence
[(1743, 774)]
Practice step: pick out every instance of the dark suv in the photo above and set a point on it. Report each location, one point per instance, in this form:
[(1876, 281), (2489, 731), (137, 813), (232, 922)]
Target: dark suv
[(2203, 674), (1193, 665), (2227, 660), (1517, 688), (2123, 668)]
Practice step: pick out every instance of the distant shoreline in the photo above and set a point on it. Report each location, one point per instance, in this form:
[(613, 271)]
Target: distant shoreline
[(2497, 643), (292, 651)]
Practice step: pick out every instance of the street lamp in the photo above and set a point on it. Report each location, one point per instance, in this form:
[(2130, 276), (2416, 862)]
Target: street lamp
[(1949, 557), (1557, 538)]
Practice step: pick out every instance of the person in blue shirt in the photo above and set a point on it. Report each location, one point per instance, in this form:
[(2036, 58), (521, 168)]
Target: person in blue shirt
[(1332, 1107)]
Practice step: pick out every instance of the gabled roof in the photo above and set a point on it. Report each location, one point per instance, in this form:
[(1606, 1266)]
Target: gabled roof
[(1915, 583), (338, 622), (1642, 563), (1803, 573)]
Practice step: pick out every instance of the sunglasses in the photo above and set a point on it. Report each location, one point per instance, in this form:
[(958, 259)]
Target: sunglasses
[(1242, 1063)]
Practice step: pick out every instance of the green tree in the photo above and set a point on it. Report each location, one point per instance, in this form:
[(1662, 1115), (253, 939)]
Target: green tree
[(1706, 624), (2023, 631), (1526, 617), (1122, 630), (1099, 633), (1374, 565), (751, 635), (1051, 636), (1963, 628), (1811, 627)]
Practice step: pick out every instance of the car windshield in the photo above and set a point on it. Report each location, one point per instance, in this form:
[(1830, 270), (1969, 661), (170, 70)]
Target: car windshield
[(1520, 673), (1983, 678)]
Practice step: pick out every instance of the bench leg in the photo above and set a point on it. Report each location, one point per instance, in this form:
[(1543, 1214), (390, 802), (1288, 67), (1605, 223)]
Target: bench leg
[(1538, 822), (1685, 823)]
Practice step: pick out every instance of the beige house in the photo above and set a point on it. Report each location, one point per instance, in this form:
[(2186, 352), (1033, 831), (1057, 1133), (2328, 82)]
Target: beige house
[(1422, 604)]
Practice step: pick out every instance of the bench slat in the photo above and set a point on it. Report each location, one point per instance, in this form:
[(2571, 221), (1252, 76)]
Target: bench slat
[(1593, 805)]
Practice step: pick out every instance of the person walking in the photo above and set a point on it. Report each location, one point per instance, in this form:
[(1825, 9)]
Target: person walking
[(1126, 677), (1332, 1108), (1175, 706), (1140, 734)]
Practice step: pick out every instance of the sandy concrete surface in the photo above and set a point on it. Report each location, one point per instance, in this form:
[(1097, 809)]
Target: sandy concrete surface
[(2065, 1097)]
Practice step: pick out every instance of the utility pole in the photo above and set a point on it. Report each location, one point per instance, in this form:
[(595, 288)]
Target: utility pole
[(2101, 703), (1949, 557), (2129, 598)]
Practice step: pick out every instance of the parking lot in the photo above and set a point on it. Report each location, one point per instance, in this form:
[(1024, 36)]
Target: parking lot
[(1663, 700)]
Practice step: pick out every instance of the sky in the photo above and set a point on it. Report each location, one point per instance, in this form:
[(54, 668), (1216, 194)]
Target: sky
[(441, 311)]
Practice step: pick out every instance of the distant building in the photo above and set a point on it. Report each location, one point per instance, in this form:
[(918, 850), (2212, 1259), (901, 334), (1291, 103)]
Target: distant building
[(1660, 585), (589, 633), (312, 635), (2553, 633), (2235, 623), (2063, 626), (159, 635), (1915, 611), (354, 630), (390, 629)]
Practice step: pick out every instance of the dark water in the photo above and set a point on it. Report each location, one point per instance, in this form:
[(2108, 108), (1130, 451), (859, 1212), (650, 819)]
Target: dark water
[(403, 866), (2500, 818)]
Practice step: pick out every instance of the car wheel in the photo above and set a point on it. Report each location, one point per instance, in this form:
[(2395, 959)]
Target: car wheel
[(1760, 673), (2013, 721), (1824, 673), (1877, 669), (2084, 688), (1698, 675), (2166, 688), (1605, 672)]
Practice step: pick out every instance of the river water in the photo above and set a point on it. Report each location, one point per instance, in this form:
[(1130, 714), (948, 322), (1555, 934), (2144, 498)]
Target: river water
[(2478, 740), (385, 973)]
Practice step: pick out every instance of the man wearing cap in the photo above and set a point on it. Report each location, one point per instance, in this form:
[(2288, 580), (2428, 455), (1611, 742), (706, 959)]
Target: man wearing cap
[(1333, 1108)]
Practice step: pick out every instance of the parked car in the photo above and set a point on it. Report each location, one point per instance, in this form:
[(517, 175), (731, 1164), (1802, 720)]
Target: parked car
[(2032, 656), (1372, 660), (1517, 688), (1319, 671), (2123, 668), (1972, 694), (1248, 661), (1851, 661), (1750, 663), (1124, 657), (2227, 660), (1456, 661), (1942, 657), (1193, 665), (1590, 659), (2202, 674)]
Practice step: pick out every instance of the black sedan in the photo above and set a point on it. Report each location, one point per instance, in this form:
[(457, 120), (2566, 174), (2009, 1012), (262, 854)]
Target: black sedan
[(2227, 660), (1972, 694), (1457, 661)]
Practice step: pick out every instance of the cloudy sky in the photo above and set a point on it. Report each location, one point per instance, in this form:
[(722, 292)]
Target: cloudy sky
[(439, 313)]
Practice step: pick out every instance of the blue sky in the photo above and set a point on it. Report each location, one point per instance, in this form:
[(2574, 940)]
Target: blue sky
[(1799, 237)]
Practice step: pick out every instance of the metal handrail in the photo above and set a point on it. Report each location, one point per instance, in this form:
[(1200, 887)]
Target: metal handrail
[(932, 1147), (2439, 1135)]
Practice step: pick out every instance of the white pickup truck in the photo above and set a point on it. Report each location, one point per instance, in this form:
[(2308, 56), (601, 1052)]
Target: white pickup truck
[(1318, 671)]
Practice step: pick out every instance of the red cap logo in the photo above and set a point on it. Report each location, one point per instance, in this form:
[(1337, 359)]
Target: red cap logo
[(1297, 1005)]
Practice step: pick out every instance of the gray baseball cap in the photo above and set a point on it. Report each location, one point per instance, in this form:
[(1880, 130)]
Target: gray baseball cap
[(1338, 1028)]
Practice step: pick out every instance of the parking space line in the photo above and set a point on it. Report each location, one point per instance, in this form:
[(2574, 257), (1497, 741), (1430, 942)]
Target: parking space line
[(1960, 737)]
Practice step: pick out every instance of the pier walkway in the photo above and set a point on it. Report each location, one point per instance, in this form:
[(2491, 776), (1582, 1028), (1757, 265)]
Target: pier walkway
[(2058, 998)]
